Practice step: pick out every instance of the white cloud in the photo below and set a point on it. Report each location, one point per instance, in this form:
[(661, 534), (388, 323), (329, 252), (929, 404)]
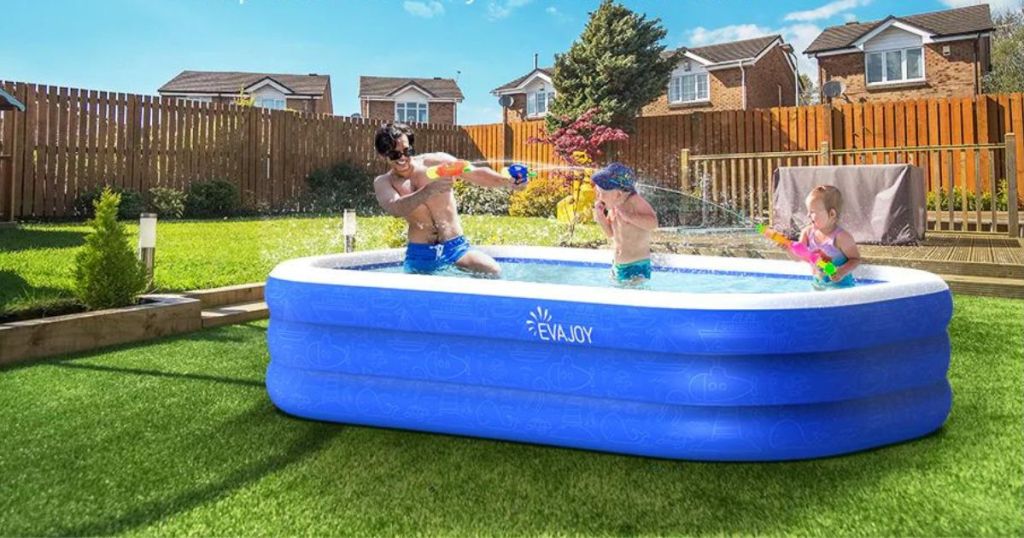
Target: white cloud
[(499, 9), (734, 32), (996, 5), (426, 10), (826, 11)]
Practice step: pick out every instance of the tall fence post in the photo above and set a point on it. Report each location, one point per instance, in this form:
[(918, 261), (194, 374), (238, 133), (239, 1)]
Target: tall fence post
[(684, 170), (1013, 226), (825, 154)]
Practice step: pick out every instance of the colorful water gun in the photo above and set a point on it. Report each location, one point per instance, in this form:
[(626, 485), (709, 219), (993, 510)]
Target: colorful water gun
[(452, 169), (518, 173), (816, 257)]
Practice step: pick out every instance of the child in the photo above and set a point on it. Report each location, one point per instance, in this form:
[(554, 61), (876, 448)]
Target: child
[(824, 233), (627, 219)]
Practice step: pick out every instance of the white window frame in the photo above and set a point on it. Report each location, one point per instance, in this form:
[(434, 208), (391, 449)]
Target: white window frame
[(903, 67), (533, 100), (416, 107), (696, 89), (271, 103)]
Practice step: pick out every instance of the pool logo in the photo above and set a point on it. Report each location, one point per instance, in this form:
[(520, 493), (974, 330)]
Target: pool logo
[(541, 326)]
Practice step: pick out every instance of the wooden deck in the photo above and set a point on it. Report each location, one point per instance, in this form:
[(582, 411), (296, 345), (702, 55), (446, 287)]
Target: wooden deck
[(982, 264)]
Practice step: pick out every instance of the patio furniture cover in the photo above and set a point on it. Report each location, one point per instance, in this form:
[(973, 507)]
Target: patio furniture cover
[(882, 204)]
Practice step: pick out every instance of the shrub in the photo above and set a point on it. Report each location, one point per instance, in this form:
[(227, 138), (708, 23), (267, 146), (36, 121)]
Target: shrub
[(107, 273), (477, 200), (214, 198), (395, 230), (131, 205), (168, 203), (539, 199), (341, 186), (942, 199)]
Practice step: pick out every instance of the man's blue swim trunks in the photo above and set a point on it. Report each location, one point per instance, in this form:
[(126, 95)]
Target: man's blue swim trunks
[(425, 258), (629, 271)]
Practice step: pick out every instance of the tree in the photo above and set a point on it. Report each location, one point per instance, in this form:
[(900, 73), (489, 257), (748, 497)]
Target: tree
[(616, 65), (107, 273), (1007, 73), (808, 91)]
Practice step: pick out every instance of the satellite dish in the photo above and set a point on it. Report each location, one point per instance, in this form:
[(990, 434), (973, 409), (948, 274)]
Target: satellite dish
[(505, 101), (833, 89)]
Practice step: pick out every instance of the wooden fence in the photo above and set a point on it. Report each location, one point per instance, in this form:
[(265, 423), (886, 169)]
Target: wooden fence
[(963, 179), (71, 140)]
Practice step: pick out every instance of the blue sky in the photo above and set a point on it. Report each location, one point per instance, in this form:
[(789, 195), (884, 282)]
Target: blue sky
[(138, 45)]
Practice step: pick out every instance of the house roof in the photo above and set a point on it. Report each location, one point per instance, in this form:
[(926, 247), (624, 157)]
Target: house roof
[(549, 71), (950, 22), (732, 51), (437, 87), (233, 82)]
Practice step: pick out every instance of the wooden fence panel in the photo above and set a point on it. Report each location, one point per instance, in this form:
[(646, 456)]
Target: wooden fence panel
[(71, 140)]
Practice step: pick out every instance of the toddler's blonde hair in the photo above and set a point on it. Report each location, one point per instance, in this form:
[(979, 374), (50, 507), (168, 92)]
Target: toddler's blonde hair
[(830, 196)]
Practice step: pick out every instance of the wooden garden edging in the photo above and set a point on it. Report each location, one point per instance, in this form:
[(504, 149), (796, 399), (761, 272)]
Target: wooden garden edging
[(162, 315), (166, 315)]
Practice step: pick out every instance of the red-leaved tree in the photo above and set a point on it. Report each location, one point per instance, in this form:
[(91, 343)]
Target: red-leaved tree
[(581, 135), (580, 143)]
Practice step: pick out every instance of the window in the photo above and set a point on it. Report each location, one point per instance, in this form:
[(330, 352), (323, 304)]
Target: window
[(537, 103), (901, 65), (411, 112), (688, 88), (270, 102)]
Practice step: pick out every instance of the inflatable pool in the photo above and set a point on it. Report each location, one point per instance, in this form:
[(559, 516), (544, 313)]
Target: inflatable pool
[(784, 373)]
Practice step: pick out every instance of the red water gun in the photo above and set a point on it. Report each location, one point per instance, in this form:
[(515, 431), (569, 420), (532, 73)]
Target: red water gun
[(816, 257)]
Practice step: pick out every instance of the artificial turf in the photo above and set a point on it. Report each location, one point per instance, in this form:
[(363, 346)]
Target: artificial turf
[(37, 260), (178, 437)]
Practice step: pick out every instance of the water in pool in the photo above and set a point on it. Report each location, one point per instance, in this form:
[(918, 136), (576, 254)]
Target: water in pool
[(679, 280)]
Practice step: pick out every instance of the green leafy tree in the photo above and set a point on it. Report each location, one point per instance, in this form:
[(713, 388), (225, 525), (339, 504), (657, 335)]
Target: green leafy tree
[(107, 273), (617, 65), (1007, 73), (808, 91)]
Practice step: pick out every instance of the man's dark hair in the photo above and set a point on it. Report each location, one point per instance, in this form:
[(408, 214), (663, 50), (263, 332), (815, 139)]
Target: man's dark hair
[(388, 134)]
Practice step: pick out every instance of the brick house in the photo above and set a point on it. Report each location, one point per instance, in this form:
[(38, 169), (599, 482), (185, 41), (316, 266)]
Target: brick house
[(739, 75), (303, 93), (938, 54), (530, 95), (420, 100)]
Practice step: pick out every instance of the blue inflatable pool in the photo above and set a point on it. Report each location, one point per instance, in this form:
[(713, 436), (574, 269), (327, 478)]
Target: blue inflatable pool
[(703, 376)]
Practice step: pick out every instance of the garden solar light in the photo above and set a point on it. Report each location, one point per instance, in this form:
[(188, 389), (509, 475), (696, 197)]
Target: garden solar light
[(147, 242), (348, 229)]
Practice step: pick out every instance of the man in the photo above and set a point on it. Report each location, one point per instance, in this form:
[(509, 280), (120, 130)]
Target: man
[(435, 232)]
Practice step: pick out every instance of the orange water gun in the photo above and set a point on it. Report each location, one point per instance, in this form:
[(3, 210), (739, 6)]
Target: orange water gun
[(518, 173), (452, 169), (816, 257)]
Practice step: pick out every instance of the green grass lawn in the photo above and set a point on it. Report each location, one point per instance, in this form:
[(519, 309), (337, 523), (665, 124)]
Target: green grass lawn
[(37, 260), (178, 437)]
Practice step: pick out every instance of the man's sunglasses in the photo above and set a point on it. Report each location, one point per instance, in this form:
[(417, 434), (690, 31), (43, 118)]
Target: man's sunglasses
[(394, 154)]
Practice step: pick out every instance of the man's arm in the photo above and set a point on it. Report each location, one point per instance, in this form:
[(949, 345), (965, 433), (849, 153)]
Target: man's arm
[(398, 205), (479, 175)]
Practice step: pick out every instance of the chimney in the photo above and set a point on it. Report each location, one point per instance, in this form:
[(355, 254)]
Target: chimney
[(851, 23), (313, 74), (535, 56)]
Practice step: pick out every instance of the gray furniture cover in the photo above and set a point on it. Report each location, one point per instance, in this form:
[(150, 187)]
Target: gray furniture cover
[(882, 203)]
